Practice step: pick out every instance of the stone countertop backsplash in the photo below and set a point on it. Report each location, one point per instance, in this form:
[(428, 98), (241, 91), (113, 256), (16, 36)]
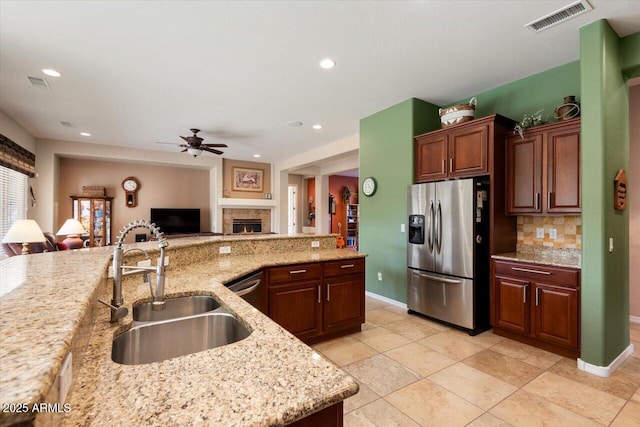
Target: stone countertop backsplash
[(557, 257), (49, 307)]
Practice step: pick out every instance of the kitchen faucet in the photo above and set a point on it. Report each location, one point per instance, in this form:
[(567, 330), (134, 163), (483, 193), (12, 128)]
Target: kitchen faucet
[(120, 270)]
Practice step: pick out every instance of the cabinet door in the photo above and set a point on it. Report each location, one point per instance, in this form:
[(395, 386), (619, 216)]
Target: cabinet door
[(555, 315), (524, 174), (512, 304), (297, 307), (344, 302), (431, 155), (563, 166), (469, 151)]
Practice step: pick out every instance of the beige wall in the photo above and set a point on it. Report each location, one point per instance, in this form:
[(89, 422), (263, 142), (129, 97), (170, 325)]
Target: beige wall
[(160, 187), (634, 201), (227, 179)]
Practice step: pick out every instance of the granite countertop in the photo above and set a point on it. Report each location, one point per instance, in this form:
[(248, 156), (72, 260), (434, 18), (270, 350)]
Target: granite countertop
[(552, 257), (269, 378)]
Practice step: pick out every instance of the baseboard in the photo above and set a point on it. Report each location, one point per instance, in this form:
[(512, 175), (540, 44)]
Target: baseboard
[(606, 371), (634, 319), (385, 299)]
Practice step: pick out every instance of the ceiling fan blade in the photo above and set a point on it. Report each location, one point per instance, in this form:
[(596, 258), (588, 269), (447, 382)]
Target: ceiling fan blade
[(184, 150), (215, 145), (211, 150)]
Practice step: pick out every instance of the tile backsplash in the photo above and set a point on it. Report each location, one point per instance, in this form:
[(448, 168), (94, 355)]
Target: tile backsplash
[(568, 229)]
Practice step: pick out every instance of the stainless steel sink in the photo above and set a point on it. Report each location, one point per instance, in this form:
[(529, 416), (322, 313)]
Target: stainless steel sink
[(175, 308), (153, 342)]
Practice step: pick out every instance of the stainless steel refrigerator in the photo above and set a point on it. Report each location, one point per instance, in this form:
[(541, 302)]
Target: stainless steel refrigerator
[(448, 252)]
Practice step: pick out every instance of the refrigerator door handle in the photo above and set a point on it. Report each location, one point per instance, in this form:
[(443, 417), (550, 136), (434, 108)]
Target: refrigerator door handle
[(439, 279), (439, 228), (430, 227)]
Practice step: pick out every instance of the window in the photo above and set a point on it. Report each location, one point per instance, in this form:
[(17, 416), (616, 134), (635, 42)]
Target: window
[(14, 201)]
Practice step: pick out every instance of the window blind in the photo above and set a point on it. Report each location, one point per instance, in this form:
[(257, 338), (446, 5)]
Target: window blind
[(16, 157), (14, 200)]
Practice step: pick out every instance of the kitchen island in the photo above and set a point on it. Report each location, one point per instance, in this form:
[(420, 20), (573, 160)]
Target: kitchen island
[(49, 308)]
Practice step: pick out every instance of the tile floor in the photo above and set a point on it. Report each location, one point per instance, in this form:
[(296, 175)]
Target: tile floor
[(414, 372)]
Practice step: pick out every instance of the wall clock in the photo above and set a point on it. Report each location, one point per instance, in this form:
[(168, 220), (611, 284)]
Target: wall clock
[(131, 187), (369, 186)]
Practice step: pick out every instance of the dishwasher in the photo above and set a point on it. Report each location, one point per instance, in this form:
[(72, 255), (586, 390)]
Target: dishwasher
[(251, 288)]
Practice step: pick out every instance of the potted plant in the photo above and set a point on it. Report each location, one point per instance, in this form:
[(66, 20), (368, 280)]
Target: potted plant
[(528, 122)]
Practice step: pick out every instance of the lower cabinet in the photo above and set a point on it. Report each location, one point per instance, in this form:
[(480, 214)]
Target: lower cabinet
[(318, 301), (538, 305)]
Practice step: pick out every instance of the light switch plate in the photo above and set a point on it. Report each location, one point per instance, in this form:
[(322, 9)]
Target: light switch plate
[(225, 249), (402, 228), (539, 233), (315, 243)]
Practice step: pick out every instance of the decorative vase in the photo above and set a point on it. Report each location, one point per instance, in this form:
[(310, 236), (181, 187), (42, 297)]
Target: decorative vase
[(569, 109)]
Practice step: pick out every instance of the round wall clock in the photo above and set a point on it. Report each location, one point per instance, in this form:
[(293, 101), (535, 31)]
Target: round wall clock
[(369, 186), (131, 187)]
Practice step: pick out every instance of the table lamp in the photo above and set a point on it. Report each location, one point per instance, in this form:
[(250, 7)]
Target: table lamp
[(72, 228), (24, 231)]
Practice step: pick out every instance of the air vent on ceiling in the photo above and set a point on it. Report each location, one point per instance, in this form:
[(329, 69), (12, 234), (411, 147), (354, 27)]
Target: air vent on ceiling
[(67, 124), (559, 16), (38, 82)]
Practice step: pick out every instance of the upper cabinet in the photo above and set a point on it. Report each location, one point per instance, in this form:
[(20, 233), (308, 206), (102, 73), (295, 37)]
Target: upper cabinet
[(543, 170), (463, 150)]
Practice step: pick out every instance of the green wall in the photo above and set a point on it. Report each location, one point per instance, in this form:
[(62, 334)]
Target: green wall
[(386, 153), (542, 91), (605, 150)]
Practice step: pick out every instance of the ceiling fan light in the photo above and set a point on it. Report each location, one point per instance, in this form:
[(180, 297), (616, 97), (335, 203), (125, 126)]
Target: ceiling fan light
[(195, 152)]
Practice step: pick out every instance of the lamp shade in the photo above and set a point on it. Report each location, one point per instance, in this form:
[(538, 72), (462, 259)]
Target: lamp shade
[(71, 227), (24, 231)]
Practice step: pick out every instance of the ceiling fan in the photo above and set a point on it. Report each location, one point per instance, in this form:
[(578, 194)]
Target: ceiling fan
[(195, 146)]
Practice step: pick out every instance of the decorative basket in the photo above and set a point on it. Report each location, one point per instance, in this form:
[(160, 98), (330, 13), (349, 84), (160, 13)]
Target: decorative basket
[(458, 113), (93, 191)]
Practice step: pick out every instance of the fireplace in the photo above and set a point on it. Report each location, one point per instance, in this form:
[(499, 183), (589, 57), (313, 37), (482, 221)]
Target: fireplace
[(245, 226)]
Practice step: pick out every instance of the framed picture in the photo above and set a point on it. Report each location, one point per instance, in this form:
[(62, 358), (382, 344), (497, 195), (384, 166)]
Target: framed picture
[(247, 179)]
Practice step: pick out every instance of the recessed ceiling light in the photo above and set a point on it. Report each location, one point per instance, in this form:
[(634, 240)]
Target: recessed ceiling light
[(51, 72), (295, 124), (85, 134), (256, 155), (317, 127), (327, 63)]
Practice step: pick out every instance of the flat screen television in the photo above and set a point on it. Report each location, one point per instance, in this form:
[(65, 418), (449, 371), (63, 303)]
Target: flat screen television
[(176, 220)]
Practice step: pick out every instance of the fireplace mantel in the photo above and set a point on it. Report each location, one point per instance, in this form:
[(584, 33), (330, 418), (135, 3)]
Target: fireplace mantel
[(225, 202)]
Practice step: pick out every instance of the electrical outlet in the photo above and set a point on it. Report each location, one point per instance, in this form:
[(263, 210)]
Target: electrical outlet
[(402, 228), (539, 233), (315, 243), (380, 276), (225, 249), (65, 378), (553, 233), (144, 263)]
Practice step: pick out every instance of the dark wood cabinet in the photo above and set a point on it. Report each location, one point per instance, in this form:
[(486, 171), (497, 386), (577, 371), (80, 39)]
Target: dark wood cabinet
[(318, 301), (344, 295), (538, 305), (543, 170), (465, 150)]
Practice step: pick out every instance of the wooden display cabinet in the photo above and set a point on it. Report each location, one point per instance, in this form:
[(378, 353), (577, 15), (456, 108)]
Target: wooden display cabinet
[(94, 213)]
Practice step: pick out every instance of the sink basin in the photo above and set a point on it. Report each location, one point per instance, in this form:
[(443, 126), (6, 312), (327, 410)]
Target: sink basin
[(175, 308), (153, 342)]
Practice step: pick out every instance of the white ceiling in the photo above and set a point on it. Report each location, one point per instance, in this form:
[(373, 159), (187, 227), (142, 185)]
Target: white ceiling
[(137, 72)]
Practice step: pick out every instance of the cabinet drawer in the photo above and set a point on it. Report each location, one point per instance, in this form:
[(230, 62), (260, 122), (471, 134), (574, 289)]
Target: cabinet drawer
[(536, 272), (291, 273), (346, 266)]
